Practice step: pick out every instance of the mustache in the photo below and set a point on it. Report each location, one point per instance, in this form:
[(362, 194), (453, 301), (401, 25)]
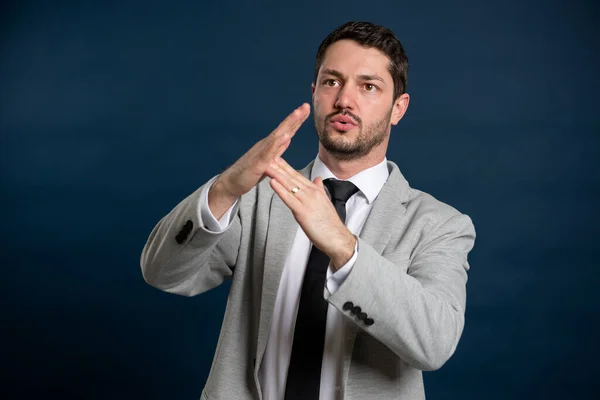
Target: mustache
[(356, 118)]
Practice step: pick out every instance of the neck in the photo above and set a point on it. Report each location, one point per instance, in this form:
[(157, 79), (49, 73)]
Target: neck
[(344, 169)]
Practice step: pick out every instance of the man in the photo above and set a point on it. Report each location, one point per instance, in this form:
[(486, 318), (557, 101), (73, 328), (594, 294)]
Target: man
[(346, 282)]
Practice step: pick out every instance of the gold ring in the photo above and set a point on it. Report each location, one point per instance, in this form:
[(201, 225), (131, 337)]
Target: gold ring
[(295, 189)]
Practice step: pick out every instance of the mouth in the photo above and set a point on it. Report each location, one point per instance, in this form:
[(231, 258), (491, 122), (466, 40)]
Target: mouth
[(342, 126), (342, 123)]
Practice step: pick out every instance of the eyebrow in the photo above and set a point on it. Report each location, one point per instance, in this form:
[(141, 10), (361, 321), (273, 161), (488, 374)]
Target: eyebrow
[(363, 77)]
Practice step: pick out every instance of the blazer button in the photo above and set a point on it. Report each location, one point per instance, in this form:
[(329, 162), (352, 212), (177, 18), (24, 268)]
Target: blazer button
[(369, 321), (348, 306), (355, 310), (189, 224), (180, 238), (361, 316)]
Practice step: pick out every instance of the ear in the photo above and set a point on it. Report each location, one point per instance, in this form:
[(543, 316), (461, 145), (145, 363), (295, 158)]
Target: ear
[(312, 86), (399, 108)]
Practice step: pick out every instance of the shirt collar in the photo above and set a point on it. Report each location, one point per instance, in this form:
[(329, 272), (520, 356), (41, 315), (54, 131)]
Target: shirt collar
[(369, 181)]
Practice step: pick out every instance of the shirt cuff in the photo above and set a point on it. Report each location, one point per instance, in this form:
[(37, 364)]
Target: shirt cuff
[(206, 217), (335, 279)]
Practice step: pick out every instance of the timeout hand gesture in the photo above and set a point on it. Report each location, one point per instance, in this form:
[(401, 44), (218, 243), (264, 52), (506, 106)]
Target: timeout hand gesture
[(250, 169), (242, 176), (310, 206)]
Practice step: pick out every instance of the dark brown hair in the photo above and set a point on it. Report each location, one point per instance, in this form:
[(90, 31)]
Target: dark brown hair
[(371, 35)]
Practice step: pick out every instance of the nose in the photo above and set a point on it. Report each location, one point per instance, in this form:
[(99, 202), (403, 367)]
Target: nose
[(346, 97)]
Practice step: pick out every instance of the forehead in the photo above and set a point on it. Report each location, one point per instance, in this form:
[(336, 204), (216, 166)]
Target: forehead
[(350, 58)]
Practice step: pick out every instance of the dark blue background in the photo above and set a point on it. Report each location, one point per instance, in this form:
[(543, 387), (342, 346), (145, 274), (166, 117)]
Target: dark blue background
[(112, 113)]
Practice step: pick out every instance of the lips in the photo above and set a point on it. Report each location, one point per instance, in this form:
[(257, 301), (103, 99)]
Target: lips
[(342, 123), (344, 119)]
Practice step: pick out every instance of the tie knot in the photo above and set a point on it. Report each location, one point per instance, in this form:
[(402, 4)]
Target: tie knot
[(340, 190)]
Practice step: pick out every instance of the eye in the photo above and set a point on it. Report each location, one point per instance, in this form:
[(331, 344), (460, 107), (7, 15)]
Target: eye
[(369, 87), (330, 82)]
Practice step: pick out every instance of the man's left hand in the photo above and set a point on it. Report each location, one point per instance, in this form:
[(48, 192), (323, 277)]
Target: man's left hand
[(313, 210)]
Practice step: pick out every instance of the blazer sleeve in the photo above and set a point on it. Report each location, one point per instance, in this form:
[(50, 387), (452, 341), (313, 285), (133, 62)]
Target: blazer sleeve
[(184, 257), (415, 309)]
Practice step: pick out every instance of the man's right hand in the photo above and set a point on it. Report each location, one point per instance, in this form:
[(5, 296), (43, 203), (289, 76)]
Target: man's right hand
[(250, 169)]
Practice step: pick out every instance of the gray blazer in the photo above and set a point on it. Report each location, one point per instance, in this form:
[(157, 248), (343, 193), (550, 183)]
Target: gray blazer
[(409, 277)]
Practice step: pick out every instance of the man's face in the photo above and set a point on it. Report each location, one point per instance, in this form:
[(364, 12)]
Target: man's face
[(353, 100)]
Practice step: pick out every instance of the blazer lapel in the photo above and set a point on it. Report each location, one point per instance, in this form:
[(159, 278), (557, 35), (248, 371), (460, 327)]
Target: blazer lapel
[(387, 209), (280, 236)]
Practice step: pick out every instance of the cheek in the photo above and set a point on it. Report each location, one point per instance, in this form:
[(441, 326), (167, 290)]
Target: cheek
[(318, 109), (318, 97), (372, 101), (377, 107), (324, 98)]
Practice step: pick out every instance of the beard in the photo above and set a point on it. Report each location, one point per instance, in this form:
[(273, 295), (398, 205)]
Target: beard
[(368, 136)]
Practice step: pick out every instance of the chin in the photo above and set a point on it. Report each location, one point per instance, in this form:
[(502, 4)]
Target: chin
[(340, 139), (337, 144), (334, 132)]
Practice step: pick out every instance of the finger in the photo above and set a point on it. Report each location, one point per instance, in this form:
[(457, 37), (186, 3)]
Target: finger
[(288, 198), (274, 147), (282, 177), (290, 171), (304, 114), (291, 174), (293, 121), (285, 131), (319, 182), (278, 141), (283, 147)]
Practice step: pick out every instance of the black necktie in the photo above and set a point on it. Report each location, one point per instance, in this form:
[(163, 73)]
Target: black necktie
[(304, 373)]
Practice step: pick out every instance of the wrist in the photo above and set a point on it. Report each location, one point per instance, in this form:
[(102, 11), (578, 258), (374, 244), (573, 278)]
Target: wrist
[(344, 252), (219, 199), (219, 190)]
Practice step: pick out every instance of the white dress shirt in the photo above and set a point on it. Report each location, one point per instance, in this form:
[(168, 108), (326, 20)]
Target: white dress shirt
[(274, 368)]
